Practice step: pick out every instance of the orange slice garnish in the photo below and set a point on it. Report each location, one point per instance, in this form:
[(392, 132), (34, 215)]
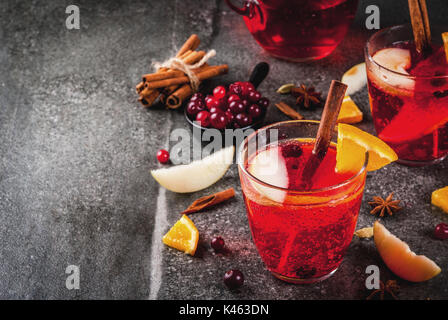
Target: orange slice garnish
[(183, 236), (353, 143)]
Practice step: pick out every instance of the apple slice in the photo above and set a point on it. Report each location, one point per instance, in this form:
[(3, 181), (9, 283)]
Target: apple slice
[(355, 78), (397, 60), (399, 258), (269, 166), (197, 175)]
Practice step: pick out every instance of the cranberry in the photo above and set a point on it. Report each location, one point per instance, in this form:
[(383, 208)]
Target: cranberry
[(213, 102), (255, 111), (254, 96), (214, 110), (203, 118), (246, 88), (292, 150), (229, 116), (193, 109), (248, 85), (236, 107), (441, 231), (219, 92), (263, 102), (235, 88), (163, 156), (218, 120), (233, 97), (246, 103), (233, 279), (197, 96), (243, 119), (220, 103), (209, 100), (217, 244)]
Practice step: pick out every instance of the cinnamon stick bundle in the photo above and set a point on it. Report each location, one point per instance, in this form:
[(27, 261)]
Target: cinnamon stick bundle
[(171, 86), (206, 73)]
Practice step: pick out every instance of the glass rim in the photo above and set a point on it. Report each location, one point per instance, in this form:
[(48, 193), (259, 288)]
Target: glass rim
[(370, 58), (300, 191)]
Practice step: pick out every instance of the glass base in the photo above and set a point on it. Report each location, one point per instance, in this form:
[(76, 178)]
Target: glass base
[(413, 163), (303, 281)]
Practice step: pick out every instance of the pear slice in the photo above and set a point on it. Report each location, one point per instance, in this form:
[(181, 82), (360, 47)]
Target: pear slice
[(397, 60), (400, 259), (355, 78), (269, 166), (197, 175)]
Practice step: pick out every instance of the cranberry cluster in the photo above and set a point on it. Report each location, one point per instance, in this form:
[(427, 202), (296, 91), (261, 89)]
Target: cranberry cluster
[(236, 107)]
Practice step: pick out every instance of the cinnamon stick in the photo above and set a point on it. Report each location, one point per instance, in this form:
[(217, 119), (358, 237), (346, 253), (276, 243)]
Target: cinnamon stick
[(445, 44), (287, 110), (192, 43), (139, 87), (176, 99), (206, 73), (420, 25), (325, 132), (149, 99), (209, 201)]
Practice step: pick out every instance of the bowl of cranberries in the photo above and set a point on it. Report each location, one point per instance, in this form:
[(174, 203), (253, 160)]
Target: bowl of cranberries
[(238, 106)]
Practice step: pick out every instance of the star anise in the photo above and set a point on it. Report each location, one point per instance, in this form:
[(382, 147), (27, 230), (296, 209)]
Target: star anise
[(391, 287), (382, 206), (306, 96)]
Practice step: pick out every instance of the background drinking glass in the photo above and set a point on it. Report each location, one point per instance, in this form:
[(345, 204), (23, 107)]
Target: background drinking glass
[(301, 236), (298, 30), (410, 112)]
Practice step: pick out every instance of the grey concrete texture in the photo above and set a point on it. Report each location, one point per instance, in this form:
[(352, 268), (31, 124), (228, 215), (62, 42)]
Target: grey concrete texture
[(76, 149)]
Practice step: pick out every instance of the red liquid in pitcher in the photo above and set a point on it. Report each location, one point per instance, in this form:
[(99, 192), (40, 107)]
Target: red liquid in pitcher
[(301, 29), (411, 114), (304, 236)]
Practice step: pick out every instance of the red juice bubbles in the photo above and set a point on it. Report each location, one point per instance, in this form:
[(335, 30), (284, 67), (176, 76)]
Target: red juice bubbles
[(408, 95), (298, 30), (301, 235)]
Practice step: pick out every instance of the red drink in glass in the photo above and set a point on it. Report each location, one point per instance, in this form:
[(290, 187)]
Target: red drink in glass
[(301, 235), (410, 104), (298, 30)]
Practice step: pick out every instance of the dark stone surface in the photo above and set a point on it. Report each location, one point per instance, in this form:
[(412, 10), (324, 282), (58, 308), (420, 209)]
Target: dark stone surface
[(76, 149)]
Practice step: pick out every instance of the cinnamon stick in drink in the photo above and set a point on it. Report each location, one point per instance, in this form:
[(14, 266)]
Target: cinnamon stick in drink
[(325, 132), (420, 25), (445, 44)]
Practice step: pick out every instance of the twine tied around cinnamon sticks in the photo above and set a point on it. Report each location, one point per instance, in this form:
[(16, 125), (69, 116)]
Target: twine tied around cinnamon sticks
[(178, 64), (179, 77)]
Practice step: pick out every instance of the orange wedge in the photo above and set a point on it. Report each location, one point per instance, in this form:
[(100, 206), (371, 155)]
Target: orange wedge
[(399, 258), (439, 198), (183, 236), (353, 143), (350, 112)]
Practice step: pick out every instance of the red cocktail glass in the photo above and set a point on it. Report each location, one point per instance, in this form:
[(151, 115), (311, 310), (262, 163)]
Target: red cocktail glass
[(409, 94), (298, 30), (301, 235)]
